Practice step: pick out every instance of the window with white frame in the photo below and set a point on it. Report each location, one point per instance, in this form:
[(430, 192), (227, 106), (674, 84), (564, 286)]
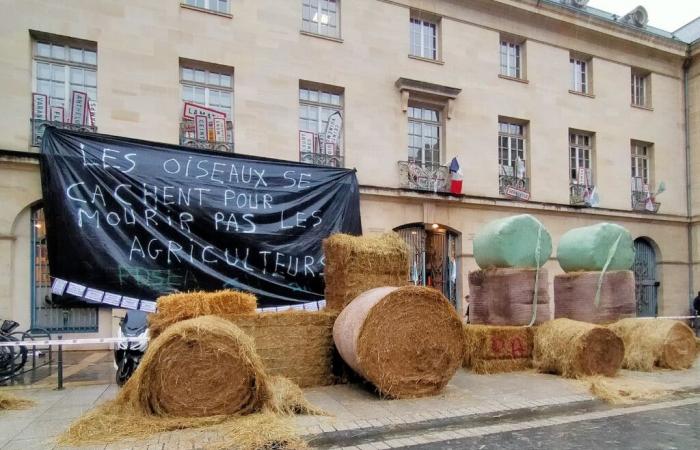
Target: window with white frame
[(424, 135), (424, 38), (511, 149), (210, 88), (641, 158), (640, 88), (321, 17), (61, 69), (221, 6), (316, 105), (580, 75), (580, 158), (512, 59)]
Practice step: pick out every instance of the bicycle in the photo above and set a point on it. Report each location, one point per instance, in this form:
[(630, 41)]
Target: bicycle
[(12, 359)]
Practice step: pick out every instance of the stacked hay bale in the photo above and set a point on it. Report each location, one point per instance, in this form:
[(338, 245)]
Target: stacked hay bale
[(577, 349), (408, 341), (355, 264), (510, 253), (497, 349), (597, 261), (656, 343)]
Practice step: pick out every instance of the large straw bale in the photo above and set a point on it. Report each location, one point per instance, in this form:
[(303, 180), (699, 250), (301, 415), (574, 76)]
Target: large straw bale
[(512, 242), (656, 342), (407, 341), (574, 296), (588, 248), (495, 349), (174, 308), (10, 401), (200, 367), (576, 349), (504, 296), (294, 344), (355, 264)]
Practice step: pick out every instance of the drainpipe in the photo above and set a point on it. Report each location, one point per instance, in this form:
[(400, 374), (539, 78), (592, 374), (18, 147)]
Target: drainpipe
[(686, 116)]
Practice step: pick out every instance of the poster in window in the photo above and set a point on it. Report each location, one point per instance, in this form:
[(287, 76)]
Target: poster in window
[(200, 127), (192, 110), (78, 108), (92, 110), (333, 127), (330, 148), (306, 142), (219, 129), (39, 106), (57, 114), (581, 176)]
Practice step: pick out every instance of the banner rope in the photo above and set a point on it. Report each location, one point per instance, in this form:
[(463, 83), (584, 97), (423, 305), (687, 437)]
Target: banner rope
[(611, 255), (537, 276)]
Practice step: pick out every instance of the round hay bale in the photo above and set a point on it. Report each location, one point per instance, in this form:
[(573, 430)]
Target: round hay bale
[(575, 349), (200, 367), (588, 248), (512, 242), (663, 343), (407, 341), (174, 308)]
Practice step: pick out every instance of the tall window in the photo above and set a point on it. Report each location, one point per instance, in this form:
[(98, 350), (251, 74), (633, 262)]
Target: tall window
[(511, 149), (641, 154), (511, 59), (580, 81), (316, 106), (61, 69), (321, 17), (424, 134), (221, 6), (640, 89), (424, 38), (212, 89), (580, 156)]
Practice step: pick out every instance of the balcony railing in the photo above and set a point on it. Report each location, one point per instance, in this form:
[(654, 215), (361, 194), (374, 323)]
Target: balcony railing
[(424, 177), (38, 127), (639, 202), (322, 159), (579, 194), (514, 187), (188, 138)]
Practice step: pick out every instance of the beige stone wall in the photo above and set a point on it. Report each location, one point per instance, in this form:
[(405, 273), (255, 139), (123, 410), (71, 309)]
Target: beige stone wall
[(140, 44)]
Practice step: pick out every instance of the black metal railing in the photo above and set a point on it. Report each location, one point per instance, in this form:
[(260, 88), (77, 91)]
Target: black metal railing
[(640, 202), (38, 127), (424, 177), (322, 159), (188, 138), (514, 187), (579, 194)]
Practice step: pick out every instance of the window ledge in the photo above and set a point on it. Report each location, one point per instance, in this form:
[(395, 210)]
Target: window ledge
[(207, 11), (430, 60), (582, 94), (322, 36), (519, 80), (646, 108)]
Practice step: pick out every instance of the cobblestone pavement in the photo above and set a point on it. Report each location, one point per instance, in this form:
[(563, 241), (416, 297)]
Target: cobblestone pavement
[(470, 404)]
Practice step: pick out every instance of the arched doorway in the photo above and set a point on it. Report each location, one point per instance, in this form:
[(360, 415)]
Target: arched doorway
[(646, 286), (433, 257)]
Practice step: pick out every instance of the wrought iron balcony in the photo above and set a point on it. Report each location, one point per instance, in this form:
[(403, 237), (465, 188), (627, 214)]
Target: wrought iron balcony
[(38, 127), (188, 138), (579, 194), (424, 177), (514, 187), (322, 159), (639, 202)]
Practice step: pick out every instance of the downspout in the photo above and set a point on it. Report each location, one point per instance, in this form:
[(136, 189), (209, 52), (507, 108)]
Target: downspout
[(688, 189)]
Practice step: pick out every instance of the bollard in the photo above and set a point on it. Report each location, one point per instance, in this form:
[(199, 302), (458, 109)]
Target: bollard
[(60, 365)]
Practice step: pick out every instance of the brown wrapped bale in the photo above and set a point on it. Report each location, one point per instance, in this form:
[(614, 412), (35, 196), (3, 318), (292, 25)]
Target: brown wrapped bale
[(496, 349), (187, 305), (575, 349), (295, 344), (355, 264), (656, 342), (199, 367), (407, 341), (504, 296), (574, 296)]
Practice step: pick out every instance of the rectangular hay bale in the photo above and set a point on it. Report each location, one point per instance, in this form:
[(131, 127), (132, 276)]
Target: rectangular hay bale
[(496, 349), (574, 296)]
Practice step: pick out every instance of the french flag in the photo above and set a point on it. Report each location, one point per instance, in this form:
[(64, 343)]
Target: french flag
[(456, 177)]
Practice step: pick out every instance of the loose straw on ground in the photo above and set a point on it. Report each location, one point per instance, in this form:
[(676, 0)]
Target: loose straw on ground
[(12, 402)]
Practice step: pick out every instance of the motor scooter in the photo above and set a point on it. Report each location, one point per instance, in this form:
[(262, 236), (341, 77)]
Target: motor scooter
[(127, 355)]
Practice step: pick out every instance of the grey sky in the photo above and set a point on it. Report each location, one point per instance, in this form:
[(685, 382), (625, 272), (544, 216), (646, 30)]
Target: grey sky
[(668, 15)]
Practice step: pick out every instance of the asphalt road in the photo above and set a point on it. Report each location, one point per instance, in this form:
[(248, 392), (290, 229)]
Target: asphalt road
[(670, 428)]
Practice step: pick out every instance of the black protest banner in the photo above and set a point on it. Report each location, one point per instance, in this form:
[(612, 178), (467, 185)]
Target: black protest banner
[(141, 219)]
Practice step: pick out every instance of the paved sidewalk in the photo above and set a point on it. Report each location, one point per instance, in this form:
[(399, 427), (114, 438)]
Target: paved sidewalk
[(351, 408)]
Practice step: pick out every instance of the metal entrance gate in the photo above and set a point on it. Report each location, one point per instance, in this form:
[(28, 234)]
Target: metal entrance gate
[(645, 278)]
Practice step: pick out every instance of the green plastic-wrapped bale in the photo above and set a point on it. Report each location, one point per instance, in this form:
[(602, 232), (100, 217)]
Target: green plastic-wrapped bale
[(588, 248), (512, 242)]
